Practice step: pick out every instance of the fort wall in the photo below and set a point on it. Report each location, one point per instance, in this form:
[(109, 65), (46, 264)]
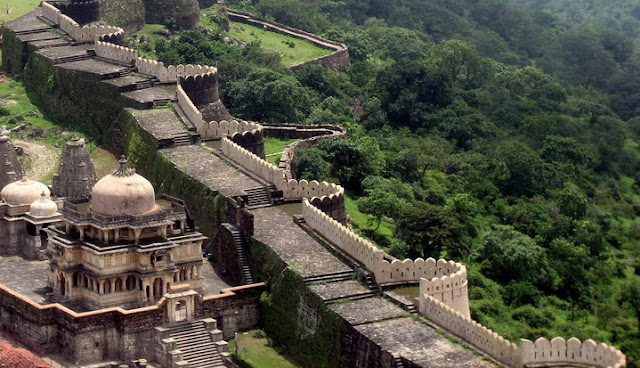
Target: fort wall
[(337, 60), (72, 28), (446, 280), (542, 353), (116, 333)]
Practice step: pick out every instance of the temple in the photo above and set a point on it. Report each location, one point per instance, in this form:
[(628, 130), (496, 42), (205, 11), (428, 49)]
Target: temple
[(122, 247)]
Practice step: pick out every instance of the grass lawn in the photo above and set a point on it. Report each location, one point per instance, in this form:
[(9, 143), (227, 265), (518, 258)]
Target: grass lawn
[(17, 8), (271, 41), (360, 220), (274, 147), (255, 352)]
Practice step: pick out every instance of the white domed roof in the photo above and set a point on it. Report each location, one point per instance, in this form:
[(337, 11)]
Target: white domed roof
[(24, 191), (123, 193), (43, 207)]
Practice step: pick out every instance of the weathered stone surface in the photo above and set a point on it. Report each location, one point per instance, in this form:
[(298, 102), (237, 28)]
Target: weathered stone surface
[(148, 95), (338, 290), (210, 170), (10, 169), (367, 310), (303, 253), (420, 343), (161, 124), (93, 66), (27, 278)]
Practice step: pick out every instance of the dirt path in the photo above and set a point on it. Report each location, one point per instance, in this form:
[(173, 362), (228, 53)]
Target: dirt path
[(40, 159)]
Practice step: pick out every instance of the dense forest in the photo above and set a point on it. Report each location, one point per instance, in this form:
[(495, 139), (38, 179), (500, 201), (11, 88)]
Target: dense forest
[(498, 134)]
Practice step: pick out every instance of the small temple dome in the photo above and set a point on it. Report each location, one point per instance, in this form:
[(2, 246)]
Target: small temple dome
[(43, 207), (24, 191), (123, 193)]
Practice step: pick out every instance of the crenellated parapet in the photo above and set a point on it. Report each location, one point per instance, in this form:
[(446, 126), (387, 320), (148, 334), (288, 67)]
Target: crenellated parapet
[(120, 54), (387, 269), (572, 352), (72, 28), (202, 88), (542, 353), (482, 338)]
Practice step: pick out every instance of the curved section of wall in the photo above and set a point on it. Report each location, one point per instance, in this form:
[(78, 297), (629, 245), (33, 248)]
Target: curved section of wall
[(253, 163), (252, 141), (337, 60)]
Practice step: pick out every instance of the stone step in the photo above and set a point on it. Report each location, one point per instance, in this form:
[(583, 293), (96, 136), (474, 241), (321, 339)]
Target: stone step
[(188, 341), (162, 102), (186, 331), (351, 297), (70, 59), (340, 276)]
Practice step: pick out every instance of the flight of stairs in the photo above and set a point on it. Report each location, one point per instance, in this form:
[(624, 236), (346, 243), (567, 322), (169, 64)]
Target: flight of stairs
[(327, 278), (182, 140), (398, 362), (242, 255), (193, 344), (258, 197)]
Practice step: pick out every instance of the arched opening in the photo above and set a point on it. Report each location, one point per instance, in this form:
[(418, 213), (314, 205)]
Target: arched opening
[(148, 293), (168, 287), (76, 279), (118, 285), (131, 282), (181, 311), (157, 289), (63, 285), (107, 286), (43, 239)]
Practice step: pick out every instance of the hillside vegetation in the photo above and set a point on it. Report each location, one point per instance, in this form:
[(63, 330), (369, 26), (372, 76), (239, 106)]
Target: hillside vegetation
[(480, 131)]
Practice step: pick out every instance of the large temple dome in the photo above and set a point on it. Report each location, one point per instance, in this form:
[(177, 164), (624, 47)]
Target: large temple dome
[(24, 191), (123, 193)]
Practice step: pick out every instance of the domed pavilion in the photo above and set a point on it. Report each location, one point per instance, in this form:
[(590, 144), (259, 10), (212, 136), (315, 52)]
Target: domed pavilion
[(26, 209), (124, 246)]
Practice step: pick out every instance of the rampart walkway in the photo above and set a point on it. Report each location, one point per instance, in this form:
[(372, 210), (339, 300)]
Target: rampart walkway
[(377, 319)]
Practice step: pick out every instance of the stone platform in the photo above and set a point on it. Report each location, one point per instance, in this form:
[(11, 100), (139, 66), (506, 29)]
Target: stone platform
[(210, 170), (161, 123)]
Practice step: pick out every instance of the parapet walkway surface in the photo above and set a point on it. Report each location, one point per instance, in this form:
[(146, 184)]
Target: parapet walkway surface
[(376, 318), (210, 170)]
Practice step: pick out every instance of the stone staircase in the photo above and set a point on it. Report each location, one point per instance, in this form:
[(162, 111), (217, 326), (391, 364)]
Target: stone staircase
[(182, 140), (258, 197), (242, 255), (327, 278), (398, 362), (193, 344), (73, 58)]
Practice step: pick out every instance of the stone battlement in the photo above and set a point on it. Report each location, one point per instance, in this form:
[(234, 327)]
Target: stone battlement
[(542, 353), (73, 29)]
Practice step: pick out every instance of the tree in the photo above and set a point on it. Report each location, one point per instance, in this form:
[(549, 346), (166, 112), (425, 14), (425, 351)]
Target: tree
[(631, 294), (524, 172), (380, 204), (266, 95), (507, 254)]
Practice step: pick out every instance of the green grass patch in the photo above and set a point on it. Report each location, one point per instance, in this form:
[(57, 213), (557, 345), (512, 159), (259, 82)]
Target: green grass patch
[(365, 223), (273, 148), (292, 50), (152, 33), (17, 9), (253, 350)]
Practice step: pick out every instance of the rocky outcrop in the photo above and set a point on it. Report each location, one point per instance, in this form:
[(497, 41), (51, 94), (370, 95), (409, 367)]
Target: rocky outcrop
[(186, 13), (128, 14)]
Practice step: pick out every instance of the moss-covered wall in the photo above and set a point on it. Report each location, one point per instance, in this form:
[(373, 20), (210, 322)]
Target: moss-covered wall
[(76, 100), (296, 318), (14, 52)]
